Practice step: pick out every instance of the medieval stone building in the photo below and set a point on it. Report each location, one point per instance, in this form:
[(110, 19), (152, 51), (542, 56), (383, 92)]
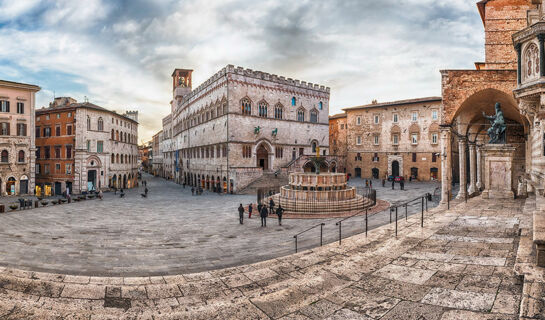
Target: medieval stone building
[(241, 124), (17, 146), (338, 129), (399, 138)]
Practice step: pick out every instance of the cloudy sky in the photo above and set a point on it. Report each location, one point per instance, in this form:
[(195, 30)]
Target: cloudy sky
[(120, 54)]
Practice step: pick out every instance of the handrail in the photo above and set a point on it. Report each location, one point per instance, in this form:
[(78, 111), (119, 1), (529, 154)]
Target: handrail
[(321, 234)]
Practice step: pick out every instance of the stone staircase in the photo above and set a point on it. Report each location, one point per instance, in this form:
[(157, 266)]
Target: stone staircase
[(267, 180)]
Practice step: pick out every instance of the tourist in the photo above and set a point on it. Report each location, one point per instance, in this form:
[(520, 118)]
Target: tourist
[(383, 183), (259, 206), (241, 214), (402, 185), (279, 212), (393, 183), (263, 214), (271, 206), (192, 191), (121, 193), (366, 183), (115, 190), (371, 184), (146, 191), (100, 194), (183, 184), (250, 209)]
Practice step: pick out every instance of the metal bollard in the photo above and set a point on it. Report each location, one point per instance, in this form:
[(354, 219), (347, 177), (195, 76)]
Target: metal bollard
[(396, 221), (295, 243), (340, 232), (321, 233), (366, 222), (448, 200), (391, 214), (422, 218), (406, 204)]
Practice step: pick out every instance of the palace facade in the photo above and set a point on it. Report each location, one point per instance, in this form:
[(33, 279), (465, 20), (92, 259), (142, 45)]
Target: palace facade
[(240, 125), (17, 145), (83, 147)]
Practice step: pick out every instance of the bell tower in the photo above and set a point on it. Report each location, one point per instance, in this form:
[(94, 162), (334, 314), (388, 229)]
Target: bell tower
[(181, 83)]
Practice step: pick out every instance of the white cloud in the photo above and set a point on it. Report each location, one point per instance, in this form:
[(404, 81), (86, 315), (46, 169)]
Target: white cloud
[(11, 9)]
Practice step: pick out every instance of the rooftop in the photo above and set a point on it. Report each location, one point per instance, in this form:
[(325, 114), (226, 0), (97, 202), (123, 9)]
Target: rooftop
[(338, 116), (19, 85), (75, 105), (395, 103)]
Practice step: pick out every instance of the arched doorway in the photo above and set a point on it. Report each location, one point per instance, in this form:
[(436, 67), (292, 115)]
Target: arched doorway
[(309, 167), (395, 168), (23, 185), (208, 182), (357, 172), (262, 156), (375, 173), (124, 181), (10, 186)]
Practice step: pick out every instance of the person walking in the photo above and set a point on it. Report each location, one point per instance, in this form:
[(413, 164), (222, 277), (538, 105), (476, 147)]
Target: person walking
[(192, 191), (371, 184), (100, 194), (241, 214), (271, 206), (115, 190), (250, 209), (393, 184), (279, 212), (263, 215), (146, 191), (259, 206), (402, 184), (383, 183)]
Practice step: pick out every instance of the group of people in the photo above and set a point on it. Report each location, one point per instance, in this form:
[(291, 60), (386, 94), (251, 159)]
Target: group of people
[(198, 191), (263, 211)]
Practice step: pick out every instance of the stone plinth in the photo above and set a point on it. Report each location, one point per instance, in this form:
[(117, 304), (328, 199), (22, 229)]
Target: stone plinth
[(498, 171)]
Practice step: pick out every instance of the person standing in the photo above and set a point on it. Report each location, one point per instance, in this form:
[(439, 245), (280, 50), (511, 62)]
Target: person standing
[(371, 184), (393, 184), (383, 183), (250, 209), (259, 206), (192, 191), (402, 185), (241, 214), (263, 215), (271, 206), (279, 212), (100, 194)]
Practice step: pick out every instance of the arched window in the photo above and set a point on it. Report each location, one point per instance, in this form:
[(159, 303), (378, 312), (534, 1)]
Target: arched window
[(117, 158), (125, 137), (88, 123), (113, 158), (314, 116), (126, 159), (5, 156), (263, 109), (320, 105), (113, 134), (246, 106), (21, 157), (100, 124), (121, 158), (293, 101), (117, 135), (301, 115), (314, 145), (278, 110)]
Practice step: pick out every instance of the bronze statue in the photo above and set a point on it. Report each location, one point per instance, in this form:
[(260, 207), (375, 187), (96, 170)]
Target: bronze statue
[(496, 132)]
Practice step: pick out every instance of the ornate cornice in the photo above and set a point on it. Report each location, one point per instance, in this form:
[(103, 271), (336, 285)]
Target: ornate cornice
[(537, 29)]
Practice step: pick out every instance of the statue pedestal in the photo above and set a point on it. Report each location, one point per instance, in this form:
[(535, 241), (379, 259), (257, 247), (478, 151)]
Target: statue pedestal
[(498, 171)]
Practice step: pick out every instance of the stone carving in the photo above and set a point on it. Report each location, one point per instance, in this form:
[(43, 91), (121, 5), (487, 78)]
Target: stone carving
[(274, 132), (257, 129), (496, 132), (522, 191)]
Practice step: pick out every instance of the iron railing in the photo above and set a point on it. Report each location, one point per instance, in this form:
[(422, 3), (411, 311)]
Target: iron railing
[(321, 225)]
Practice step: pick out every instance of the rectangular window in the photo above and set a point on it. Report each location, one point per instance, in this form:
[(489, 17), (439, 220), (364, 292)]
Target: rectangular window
[(68, 168), (279, 152), (395, 139), (69, 129), (4, 106), (433, 157), (20, 107), (342, 125), (47, 153), (246, 151), (88, 145), (57, 167), (434, 114), (46, 169), (37, 152), (434, 138), (37, 169), (21, 129), (414, 138), (58, 115), (358, 157), (58, 131), (4, 128), (358, 140), (57, 152), (395, 118), (375, 157), (358, 120), (68, 152), (37, 132), (415, 116), (47, 132), (46, 117), (414, 156), (100, 145), (376, 140), (70, 116), (376, 118)]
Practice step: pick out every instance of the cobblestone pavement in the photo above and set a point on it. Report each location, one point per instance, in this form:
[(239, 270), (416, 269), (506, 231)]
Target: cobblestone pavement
[(458, 266), (170, 232)]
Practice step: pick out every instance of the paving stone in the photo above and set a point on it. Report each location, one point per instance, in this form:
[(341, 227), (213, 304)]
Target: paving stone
[(319, 309), (77, 279), (444, 280), (406, 310), (371, 305), (465, 315), (406, 274), (134, 292), (80, 291), (506, 303), (162, 291), (459, 299), (347, 314), (475, 283)]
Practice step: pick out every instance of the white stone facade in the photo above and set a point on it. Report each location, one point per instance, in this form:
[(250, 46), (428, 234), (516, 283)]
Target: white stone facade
[(241, 123), (115, 164), (17, 143)]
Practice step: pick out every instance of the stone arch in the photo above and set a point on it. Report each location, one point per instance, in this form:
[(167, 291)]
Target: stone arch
[(246, 105), (263, 109), (263, 151)]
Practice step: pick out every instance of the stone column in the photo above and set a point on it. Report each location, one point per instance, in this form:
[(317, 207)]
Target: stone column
[(519, 62), (462, 159), (472, 169), (446, 167), (479, 183)]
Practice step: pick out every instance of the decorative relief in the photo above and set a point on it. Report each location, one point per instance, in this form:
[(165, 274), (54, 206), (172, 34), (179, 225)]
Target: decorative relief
[(531, 62)]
